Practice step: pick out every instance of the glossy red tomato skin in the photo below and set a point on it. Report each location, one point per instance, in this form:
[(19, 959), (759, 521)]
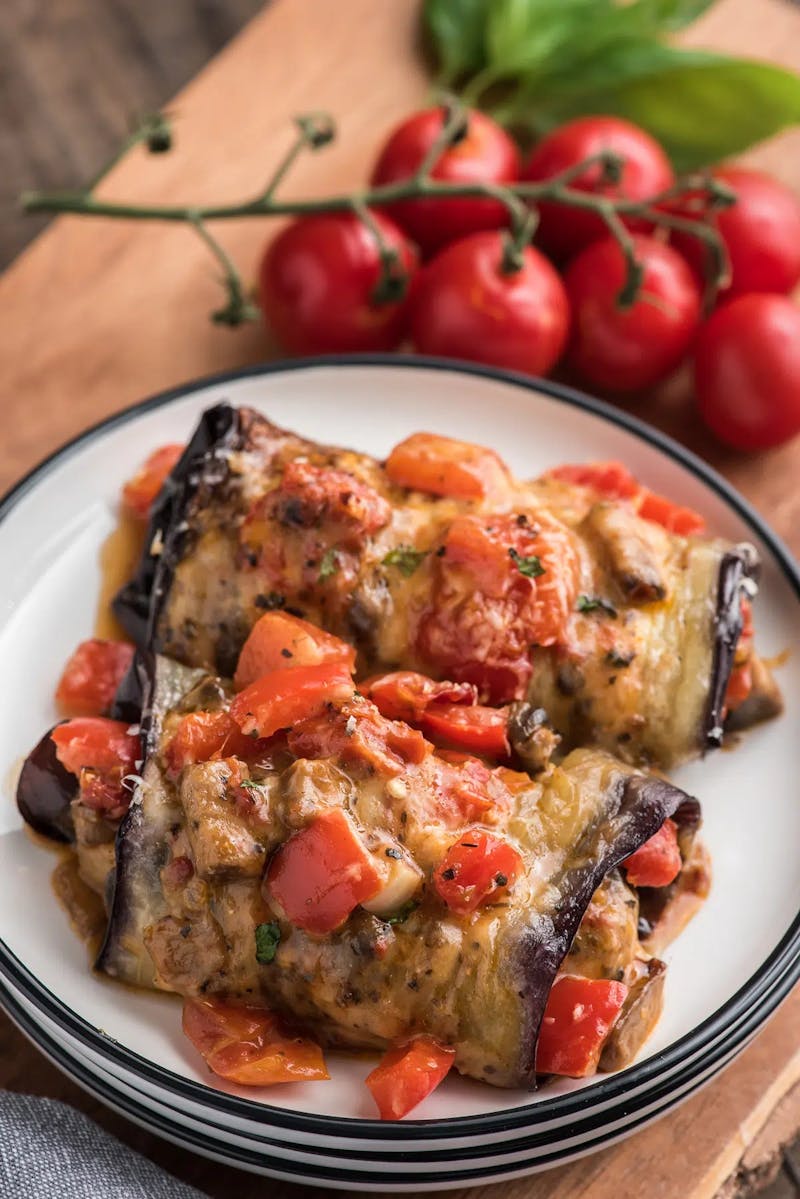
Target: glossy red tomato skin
[(464, 306), (317, 280), (761, 232), (486, 154), (562, 231), (624, 350), (747, 372)]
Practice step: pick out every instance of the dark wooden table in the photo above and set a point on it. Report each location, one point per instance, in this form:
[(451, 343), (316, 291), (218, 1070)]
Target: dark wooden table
[(72, 75)]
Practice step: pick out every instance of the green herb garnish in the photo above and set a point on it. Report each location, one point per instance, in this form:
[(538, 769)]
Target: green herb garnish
[(329, 565), (405, 558), (591, 603), (267, 940), (529, 566), (402, 914)]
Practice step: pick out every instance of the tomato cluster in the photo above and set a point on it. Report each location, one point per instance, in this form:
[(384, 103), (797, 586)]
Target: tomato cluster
[(459, 293)]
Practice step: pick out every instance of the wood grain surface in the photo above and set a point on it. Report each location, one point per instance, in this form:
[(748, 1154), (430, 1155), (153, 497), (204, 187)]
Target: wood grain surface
[(97, 315)]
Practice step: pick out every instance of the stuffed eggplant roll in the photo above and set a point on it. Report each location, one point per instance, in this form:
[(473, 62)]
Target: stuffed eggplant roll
[(289, 847), (580, 592)]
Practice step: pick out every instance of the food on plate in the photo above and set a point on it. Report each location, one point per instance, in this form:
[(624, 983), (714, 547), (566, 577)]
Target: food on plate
[(597, 602), (326, 871)]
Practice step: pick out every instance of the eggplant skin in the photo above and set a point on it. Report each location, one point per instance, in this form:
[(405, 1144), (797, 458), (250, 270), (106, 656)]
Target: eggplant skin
[(138, 605), (45, 792), (643, 803), (739, 571)]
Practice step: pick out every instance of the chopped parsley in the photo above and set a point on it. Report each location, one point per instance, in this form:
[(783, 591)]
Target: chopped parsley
[(329, 565), (405, 558), (529, 566), (267, 940), (591, 603), (402, 914), (250, 785)]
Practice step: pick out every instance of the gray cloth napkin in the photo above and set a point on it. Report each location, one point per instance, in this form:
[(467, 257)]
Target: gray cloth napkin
[(50, 1151)]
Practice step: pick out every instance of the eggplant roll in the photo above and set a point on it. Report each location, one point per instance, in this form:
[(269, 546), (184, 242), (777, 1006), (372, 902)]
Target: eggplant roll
[(625, 633), (198, 873)]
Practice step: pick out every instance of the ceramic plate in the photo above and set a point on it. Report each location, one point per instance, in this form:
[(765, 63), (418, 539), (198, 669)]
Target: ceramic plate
[(727, 971)]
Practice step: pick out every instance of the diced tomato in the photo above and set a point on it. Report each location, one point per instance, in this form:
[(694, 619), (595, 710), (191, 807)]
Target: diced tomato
[(658, 862), (407, 695), (740, 683), (358, 734), (279, 699), (311, 495), (407, 1074), (479, 867), (279, 640), (483, 730), (201, 736), (140, 491), (675, 519), (92, 675), (95, 743), (322, 873), (579, 1015), (445, 466), (467, 789), (610, 479), (248, 1046)]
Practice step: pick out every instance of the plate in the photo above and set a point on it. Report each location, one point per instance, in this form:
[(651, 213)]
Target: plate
[(727, 971)]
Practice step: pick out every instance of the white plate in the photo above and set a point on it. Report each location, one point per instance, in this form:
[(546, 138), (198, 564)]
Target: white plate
[(733, 960)]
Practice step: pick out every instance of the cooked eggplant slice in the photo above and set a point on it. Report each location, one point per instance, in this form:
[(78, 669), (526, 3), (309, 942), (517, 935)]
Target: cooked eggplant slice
[(635, 647), (45, 792), (638, 1017)]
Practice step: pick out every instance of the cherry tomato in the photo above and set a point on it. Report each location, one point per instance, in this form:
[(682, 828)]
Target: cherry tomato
[(317, 285), (464, 305), (406, 695), (579, 1015), (483, 730), (140, 491), (747, 372), (657, 863), (247, 1045), (621, 350), (477, 869), (761, 232), (485, 154), (563, 231), (407, 1074), (279, 699), (322, 873), (278, 641), (91, 677), (445, 466)]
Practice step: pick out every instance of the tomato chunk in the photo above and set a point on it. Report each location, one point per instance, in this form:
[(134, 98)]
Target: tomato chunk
[(279, 640), (92, 675), (314, 495), (579, 1015), (279, 699), (467, 789), (675, 519), (657, 863), (95, 743), (610, 479), (357, 733), (322, 873), (484, 730), (248, 1046), (475, 869), (407, 1074), (139, 492), (406, 695), (201, 736), (445, 466)]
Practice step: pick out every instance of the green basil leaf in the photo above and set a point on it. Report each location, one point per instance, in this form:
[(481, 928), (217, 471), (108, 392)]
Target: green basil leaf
[(456, 29), (525, 35), (676, 14), (268, 938)]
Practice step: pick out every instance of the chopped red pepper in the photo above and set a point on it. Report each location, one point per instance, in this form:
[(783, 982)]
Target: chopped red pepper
[(322, 873), (672, 517), (139, 492), (248, 1046), (444, 466), (279, 640), (658, 862), (579, 1015), (610, 479), (443, 710), (201, 736), (407, 695), (91, 677), (478, 868), (407, 1074), (279, 699), (483, 730), (358, 734)]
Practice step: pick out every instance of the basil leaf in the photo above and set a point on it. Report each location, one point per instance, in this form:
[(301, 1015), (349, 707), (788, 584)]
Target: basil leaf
[(593, 603), (529, 565), (406, 558), (523, 35), (268, 938), (456, 29)]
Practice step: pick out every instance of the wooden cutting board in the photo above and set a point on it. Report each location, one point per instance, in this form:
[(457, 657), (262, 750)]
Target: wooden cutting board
[(98, 315)]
